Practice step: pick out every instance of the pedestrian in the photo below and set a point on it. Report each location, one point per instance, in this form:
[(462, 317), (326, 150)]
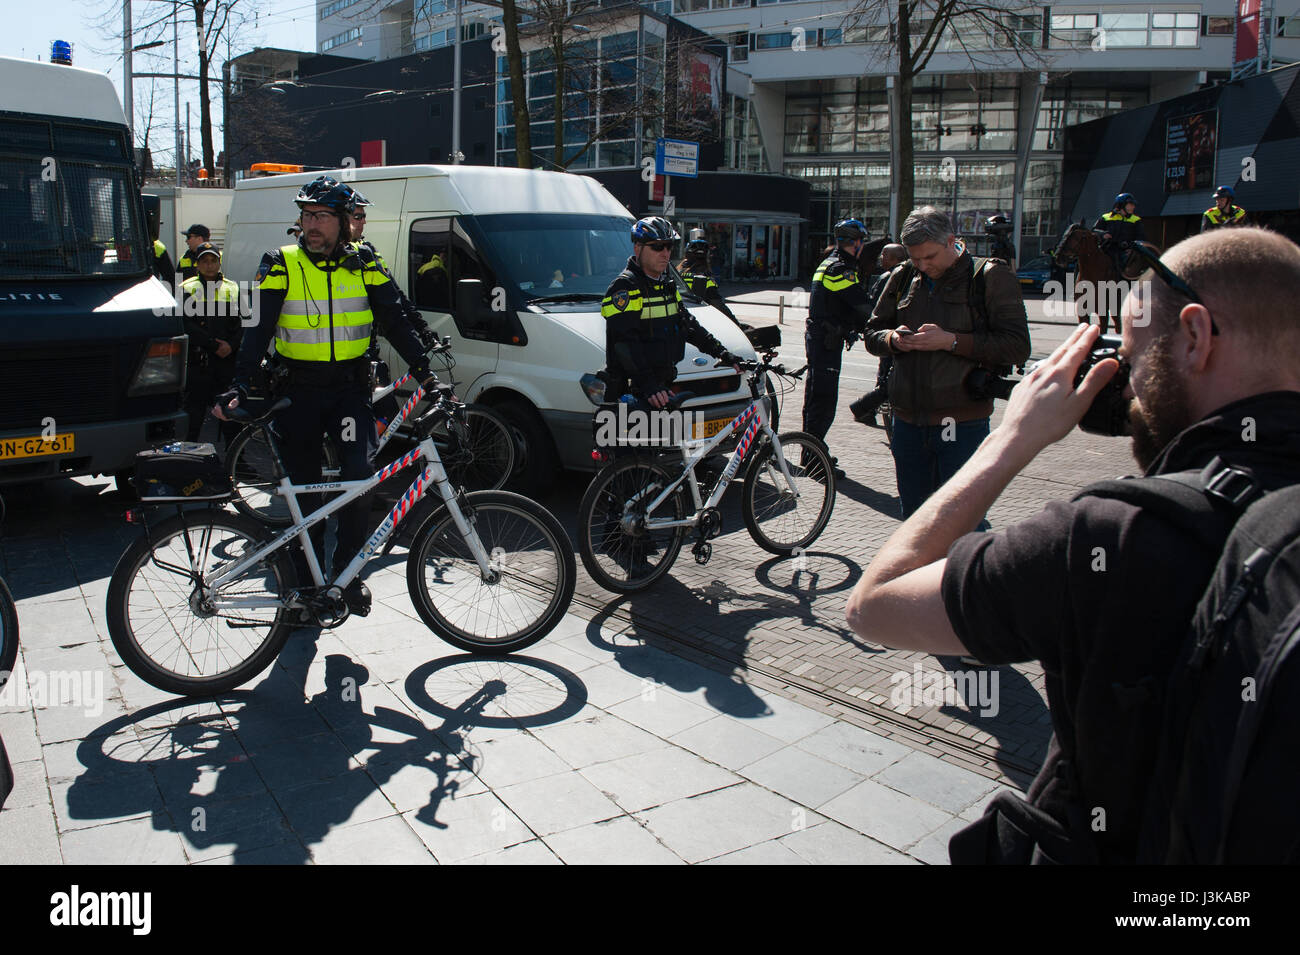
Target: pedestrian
[(1101, 589), (865, 408), (321, 300), (999, 229), (1224, 213), (213, 317), (943, 317), (195, 236)]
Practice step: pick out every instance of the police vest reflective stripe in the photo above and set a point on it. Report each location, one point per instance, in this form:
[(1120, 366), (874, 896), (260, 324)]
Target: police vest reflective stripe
[(660, 306), (435, 262), (326, 315), (1120, 217), (223, 291), (1218, 218), (833, 283), (159, 250)]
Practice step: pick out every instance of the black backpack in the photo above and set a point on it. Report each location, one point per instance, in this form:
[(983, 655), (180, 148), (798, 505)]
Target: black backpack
[(1226, 787)]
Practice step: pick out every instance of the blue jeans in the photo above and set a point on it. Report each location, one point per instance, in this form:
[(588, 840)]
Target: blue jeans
[(924, 461)]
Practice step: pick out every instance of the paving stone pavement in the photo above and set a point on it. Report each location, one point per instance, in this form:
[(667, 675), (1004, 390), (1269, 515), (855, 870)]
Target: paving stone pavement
[(727, 716)]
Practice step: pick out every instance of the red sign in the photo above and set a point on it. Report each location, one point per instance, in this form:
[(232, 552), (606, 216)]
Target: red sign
[(1246, 47), (658, 194), (374, 151)]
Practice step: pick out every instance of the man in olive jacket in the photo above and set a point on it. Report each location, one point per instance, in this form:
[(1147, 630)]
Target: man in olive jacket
[(926, 320)]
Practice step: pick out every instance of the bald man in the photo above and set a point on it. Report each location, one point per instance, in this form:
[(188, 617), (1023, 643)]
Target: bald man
[(865, 408)]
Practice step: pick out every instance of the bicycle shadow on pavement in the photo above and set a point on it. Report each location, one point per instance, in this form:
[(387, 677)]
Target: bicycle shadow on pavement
[(265, 774), (714, 612)]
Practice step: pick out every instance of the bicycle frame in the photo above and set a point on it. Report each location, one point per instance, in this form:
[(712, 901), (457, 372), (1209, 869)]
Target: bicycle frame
[(758, 416), (432, 474)]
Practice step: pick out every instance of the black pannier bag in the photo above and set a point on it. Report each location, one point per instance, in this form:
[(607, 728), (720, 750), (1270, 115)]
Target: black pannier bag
[(181, 471), (768, 336)]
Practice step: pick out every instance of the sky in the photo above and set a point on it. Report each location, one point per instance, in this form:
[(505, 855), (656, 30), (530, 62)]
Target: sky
[(290, 24)]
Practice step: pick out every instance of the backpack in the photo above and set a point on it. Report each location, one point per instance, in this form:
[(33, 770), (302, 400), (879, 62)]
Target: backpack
[(1226, 785)]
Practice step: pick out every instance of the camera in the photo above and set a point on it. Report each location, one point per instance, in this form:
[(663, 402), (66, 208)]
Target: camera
[(1108, 414), (983, 383), (999, 228)]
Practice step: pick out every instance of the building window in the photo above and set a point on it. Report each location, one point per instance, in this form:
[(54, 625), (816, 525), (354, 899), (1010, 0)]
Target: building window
[(832, 37), (340, 38), (428, 8), (782, 40), (1126, 29), (332, 8), (1217, 26), (738, 46)]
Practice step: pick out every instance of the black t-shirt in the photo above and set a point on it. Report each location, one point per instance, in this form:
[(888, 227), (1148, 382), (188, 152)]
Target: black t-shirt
[(1102, 593)]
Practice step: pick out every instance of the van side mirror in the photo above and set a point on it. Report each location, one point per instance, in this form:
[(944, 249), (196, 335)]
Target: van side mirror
[(477, 319)]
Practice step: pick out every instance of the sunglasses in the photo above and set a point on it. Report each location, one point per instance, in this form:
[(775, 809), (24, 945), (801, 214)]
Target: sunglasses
[(660, 246), (1167, 275)]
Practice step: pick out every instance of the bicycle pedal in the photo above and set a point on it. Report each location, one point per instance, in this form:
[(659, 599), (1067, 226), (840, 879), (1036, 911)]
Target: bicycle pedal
[(702, 551)]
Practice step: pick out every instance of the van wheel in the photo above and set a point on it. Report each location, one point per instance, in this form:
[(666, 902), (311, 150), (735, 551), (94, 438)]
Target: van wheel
[(537, 462)]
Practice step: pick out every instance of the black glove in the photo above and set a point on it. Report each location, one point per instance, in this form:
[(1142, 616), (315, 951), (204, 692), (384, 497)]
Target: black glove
[(238, 389), (427, 379), (727, 358)]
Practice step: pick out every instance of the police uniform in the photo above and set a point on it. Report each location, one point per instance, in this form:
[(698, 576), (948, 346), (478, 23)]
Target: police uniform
[(646, 331), (703, 287), (1122, 228), (162, 263), (321, 310), (1214, 219), (432, 288), (218, 318), (187, 266), (839, 307)]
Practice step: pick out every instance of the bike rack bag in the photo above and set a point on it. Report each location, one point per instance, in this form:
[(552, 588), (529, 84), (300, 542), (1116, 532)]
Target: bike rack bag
[(181, 471)]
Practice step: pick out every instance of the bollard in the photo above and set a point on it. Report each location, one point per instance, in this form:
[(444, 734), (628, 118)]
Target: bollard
[(780, 310)]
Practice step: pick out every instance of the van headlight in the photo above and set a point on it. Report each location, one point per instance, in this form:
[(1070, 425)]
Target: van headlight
[(593, 386), (162, 369)]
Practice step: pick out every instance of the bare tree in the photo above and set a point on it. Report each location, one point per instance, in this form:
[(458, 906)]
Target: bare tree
[(985, 33)]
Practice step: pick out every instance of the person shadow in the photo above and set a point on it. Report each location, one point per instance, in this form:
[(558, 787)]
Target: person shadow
[(264, 774)]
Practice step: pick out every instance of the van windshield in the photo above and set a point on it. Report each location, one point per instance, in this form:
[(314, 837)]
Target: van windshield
[(557, 255), (63, 218)]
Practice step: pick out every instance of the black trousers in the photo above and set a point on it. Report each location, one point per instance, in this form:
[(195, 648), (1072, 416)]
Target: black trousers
[(821, 389), (203, 384), (343, 412)]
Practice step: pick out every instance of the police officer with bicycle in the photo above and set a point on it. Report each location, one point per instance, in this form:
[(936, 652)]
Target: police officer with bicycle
[(321, 300)]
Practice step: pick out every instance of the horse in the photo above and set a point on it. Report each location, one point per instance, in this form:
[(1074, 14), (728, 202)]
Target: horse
[(1098, 281)]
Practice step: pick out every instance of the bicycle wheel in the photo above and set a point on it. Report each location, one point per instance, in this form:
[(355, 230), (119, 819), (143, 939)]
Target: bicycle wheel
[(533, 574), (8, 633), (252, 473), (777, 519), (617, 550), (486, 460), (174, 633)]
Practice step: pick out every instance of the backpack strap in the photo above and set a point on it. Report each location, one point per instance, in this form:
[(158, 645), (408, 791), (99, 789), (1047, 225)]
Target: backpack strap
[(977, 292)]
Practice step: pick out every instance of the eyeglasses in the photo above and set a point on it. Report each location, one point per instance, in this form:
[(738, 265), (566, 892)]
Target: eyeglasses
[(314, 216), (660, 246), (1166, 275)]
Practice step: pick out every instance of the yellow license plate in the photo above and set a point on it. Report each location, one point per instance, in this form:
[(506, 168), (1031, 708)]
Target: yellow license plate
[(707, 429), (35, 446)]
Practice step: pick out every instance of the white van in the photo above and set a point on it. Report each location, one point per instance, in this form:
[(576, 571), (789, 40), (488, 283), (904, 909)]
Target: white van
[(543, 247)]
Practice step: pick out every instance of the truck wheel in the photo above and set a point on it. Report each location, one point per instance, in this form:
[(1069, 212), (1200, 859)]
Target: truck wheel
[(537, 462)]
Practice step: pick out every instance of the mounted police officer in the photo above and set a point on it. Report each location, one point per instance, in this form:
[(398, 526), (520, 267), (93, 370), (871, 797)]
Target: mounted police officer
[(646, 324), (838, 311), (1224, 212), (321, 300), (212, 315), (695, 270), (1119, 227)]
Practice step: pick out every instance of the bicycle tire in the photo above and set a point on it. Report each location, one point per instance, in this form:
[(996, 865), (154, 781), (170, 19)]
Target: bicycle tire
[(252, 475), (776, 520), (489, 459), (604, 543), (8, 633), (140, 589), (529, 548)]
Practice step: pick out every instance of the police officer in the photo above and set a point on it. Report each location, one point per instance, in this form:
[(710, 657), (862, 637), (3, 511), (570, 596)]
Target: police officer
[(162, 261), (1224, 211), (646, 324), (695, 270), (999, 229), (1119, 226), (195, 236), (212, 316), (321, 300), (839, 309)]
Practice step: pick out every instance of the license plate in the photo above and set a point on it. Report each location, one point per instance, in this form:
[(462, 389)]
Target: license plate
[(35, 446), (707, 429)]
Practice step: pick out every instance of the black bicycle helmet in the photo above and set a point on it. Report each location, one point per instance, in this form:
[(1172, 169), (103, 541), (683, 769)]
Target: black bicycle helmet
[(697, 247), (1224, 191), (324, 191), (849, 230), (654, 229), (358, 200), (1123, 199)]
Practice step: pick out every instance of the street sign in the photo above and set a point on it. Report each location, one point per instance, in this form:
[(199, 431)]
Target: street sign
[(677, 157), (670, 205)]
